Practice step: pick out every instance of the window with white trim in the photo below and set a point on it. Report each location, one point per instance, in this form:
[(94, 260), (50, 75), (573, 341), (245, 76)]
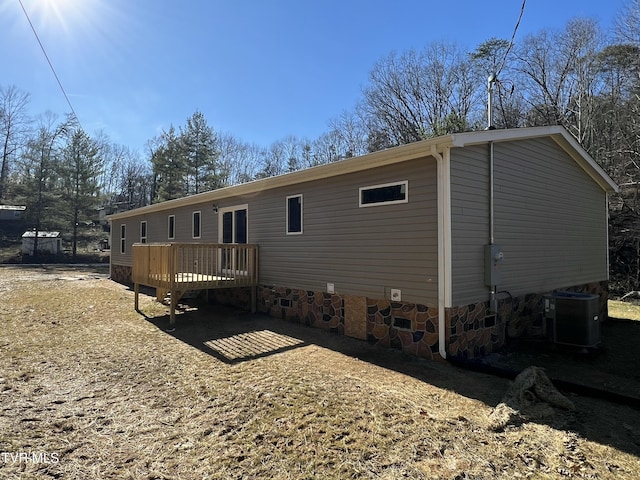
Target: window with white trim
[(294, 215), (171, 227), (143, 231), (384, 194), (195, 223), (123, 238)]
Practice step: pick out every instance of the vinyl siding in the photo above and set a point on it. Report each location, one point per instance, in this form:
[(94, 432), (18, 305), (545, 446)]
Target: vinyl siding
[(550, 220), (158, 229), (469, 222), (362, 251)]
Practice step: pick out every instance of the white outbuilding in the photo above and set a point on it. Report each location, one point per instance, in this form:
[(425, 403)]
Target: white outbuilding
[(48, 242)]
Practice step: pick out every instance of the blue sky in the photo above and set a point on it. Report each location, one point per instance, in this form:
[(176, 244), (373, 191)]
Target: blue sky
[(258, 69)]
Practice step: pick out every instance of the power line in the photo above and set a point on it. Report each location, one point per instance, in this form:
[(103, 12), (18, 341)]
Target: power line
[(513, 38), (53, 70)]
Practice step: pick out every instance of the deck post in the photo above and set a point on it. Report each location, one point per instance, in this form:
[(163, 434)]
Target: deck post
[(173, 271), (172, 310), (136, 289)]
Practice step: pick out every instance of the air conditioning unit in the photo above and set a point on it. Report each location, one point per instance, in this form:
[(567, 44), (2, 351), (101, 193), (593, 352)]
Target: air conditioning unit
[(573, 319)]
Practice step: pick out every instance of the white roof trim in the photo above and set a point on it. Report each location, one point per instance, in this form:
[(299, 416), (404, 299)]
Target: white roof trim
[(403, 153), (41, 234), (13, 207)]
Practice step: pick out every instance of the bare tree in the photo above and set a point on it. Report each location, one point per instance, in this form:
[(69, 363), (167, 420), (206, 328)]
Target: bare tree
[(416, 95), (628, 23), (113, 156), (274, 161), (351, 130), (327, 148), (239, 161), (14, 124), (134, 182), (557, 69), (292, 152)]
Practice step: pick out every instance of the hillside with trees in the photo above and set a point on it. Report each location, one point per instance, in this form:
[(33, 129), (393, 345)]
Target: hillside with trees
[(581, 77)]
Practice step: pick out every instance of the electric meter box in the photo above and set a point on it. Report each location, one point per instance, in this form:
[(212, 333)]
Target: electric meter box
[(493, 265)]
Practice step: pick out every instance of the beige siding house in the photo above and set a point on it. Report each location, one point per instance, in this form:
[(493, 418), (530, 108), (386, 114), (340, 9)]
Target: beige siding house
[(390, 247)]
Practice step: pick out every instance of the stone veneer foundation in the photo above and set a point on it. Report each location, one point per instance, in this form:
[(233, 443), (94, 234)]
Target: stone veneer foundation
[(412, 328), (316, 309), (121, 274), (409, 327), (474, 333)]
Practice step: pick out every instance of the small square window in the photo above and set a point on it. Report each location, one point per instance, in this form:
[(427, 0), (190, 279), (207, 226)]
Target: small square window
[(294, 214)]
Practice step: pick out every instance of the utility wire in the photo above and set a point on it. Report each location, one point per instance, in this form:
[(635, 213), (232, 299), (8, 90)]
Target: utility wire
[(513, 37), (53, 70)]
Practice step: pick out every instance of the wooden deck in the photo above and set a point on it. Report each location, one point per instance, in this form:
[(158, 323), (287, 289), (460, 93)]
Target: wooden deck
[(176, 268)]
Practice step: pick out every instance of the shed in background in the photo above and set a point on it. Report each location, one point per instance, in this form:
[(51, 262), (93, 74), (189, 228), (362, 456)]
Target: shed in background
[(48, 243)]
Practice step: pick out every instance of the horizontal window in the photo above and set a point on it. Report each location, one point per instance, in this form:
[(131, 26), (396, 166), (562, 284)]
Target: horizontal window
[(386, 194)]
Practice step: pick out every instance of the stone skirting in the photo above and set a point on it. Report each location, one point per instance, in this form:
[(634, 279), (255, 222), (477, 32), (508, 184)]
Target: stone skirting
[(316, 309), (473, 331), (409, 327), (121, 274), (525, 314)]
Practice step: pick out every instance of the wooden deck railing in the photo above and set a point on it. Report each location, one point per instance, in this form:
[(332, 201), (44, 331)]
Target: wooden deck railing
[(176, 268)]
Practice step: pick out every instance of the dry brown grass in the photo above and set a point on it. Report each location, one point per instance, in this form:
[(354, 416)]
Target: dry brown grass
[(115, 397), (624, 310)]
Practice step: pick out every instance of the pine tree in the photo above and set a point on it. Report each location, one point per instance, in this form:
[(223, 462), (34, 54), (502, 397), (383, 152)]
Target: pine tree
[(169, 167), (199, 144), (80, 168)]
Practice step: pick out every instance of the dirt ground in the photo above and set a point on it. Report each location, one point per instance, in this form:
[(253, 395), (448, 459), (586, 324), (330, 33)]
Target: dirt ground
[(91, 389)]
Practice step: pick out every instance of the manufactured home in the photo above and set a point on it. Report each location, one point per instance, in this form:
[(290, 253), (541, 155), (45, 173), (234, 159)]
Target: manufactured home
[(12, 213), (443, 246)]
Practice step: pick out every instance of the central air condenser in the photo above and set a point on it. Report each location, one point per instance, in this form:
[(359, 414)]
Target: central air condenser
[(573, 319)]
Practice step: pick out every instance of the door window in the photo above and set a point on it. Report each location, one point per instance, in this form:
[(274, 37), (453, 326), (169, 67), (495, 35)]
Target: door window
[(234, 225)]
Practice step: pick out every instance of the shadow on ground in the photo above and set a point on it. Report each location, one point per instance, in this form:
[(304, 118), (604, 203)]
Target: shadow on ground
[(234, 336), (613, 369)]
